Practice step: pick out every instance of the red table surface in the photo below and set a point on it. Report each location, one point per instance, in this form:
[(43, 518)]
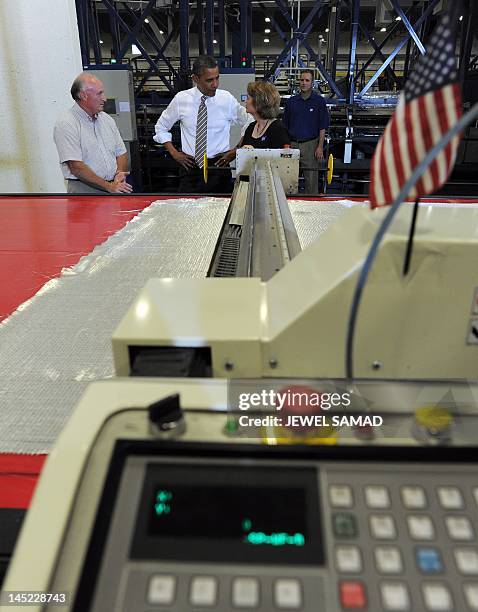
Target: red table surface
[(40, 235)]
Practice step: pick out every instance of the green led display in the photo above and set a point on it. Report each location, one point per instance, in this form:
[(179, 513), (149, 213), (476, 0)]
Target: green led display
[(164, 496), (275, 539), (161, 506)]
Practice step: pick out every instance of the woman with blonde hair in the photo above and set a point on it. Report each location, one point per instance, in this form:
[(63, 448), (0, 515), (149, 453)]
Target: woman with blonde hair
[(266, 132)]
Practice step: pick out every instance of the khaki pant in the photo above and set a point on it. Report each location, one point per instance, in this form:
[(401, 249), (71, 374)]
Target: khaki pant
[(308, 163), (81, 188)]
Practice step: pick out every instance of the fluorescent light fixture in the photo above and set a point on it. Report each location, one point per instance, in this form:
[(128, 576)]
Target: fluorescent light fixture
[(383, 29), (135, 50), (267, 31), (267, 20), (266, 40)]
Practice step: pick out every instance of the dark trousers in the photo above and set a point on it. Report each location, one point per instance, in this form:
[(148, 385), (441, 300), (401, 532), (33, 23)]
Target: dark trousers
[(219, 180)]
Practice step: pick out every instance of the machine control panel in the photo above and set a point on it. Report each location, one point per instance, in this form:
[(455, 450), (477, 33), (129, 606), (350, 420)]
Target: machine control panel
[(211, 519), (228, 535)]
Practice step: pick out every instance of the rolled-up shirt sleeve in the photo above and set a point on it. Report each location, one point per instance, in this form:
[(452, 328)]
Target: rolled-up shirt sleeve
[(166, 121), (67, 140), (239, 116), (324, 118)]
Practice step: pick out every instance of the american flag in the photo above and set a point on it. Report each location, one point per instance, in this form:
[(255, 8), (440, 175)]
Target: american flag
[(429, 106)]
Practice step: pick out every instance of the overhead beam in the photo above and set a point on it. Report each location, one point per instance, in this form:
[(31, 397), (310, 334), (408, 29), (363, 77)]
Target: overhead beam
[(409, 27), (398, 48), (353, 48), (300, 35), (132, 36), (114, 15), (184, 34)]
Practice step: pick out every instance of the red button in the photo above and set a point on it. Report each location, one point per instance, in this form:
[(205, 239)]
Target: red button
[(352, 595)]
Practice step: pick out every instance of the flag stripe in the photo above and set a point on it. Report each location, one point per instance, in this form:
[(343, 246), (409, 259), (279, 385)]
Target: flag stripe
[(428, 134), (410, 154), (394, 166), (422, 135), (377, 189), (441, 126), (387, 193), (397, 135)]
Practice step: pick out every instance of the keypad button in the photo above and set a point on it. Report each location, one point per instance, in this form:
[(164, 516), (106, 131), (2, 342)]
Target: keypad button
[(420, 527), (352, 595), (414, 498), (429, 560), (471, 596), (203, 591), (288, 594), (161, 590), (395, 596), (245, 593), (377, 497), (348, 559), (437, 597), (459, 528), (382, 527), (388, 560), (344, 525), (450, 498), (341, 496), (467, 561)]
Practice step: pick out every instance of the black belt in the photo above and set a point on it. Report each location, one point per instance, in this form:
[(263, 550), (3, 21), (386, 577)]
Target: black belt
[(302, 141)]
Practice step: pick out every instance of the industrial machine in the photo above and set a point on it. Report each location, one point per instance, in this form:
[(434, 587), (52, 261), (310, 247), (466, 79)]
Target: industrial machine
[(291, 320), (159, 505), (205, 491)]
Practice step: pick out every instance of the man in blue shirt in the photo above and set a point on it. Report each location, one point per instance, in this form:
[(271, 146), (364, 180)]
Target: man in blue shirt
[(306, 118)]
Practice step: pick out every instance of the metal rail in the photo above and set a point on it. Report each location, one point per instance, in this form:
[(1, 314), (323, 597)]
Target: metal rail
[(258, 237)]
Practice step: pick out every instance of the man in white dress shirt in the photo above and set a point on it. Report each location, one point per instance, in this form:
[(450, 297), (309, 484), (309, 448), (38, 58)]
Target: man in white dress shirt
[(206, 114)]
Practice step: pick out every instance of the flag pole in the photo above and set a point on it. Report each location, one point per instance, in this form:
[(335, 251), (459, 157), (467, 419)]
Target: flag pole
[(408, 254)]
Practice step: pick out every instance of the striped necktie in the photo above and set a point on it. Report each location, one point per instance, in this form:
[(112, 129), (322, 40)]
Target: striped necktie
[(201, 133)]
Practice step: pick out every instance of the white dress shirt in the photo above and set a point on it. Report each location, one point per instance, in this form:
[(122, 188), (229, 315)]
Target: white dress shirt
[(222, 110)]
